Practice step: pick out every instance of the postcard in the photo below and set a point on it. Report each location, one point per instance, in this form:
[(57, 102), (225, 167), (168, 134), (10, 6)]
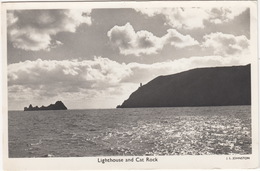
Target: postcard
[(130, 85)]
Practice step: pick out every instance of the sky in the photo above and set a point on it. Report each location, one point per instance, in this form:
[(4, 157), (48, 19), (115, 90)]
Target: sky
[(95, 58)]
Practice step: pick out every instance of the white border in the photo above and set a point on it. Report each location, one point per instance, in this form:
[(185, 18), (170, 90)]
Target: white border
[(165, 162)]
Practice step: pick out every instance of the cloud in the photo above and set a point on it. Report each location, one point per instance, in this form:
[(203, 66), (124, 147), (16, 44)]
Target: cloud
[(222, 15), (143, 42), (192, 18), (73, 75), (146, 72), (94, 83), (67, 74), (80, 84), (32, 30), (226, 44), (178, 40)]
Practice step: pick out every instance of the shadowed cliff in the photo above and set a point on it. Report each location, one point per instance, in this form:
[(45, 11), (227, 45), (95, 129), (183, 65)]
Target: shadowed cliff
[(219, 86)]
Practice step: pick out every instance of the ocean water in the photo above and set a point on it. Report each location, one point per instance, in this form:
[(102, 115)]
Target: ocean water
[(127, 132)]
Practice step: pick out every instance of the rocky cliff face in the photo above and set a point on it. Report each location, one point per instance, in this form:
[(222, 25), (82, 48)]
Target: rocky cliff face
[(220, 86), (57, 106)]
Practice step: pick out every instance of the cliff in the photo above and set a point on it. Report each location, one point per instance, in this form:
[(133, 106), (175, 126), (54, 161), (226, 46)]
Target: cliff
[(57, 106), (219, 86)]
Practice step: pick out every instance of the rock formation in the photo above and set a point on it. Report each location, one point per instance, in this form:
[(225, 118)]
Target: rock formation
[(219, 86), (57, 106)]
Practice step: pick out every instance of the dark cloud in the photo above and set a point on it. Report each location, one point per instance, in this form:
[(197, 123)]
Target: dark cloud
[(193, 18), (33, 29)]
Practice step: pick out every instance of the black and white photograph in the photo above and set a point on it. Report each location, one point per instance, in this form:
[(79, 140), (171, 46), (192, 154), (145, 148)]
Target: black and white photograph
[(147, 81)]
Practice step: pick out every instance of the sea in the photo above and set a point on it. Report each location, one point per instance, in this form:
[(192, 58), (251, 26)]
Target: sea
[(130, 132)]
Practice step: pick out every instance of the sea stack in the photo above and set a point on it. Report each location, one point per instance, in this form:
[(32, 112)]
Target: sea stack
[(57, 106)]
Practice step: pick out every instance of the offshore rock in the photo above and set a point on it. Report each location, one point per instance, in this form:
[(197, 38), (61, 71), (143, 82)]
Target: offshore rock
[(57, 106)]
